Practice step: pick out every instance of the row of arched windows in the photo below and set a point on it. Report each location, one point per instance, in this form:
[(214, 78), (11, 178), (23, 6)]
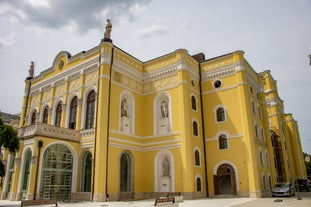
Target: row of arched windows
[(73, 109)]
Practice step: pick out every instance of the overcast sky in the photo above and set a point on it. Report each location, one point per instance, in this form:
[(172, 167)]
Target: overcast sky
[(274, 34)]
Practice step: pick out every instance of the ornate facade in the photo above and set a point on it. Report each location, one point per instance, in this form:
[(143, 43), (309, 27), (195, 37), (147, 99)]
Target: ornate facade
[(104, 125)]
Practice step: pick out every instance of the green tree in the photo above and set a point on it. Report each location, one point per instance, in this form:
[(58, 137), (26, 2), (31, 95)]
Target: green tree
[(8, 140)]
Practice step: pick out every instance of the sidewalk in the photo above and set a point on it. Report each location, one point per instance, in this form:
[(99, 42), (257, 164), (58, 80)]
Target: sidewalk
[(210, 202)]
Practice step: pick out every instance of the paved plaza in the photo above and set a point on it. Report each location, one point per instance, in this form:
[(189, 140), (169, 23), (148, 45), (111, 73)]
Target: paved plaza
[(208, 202)]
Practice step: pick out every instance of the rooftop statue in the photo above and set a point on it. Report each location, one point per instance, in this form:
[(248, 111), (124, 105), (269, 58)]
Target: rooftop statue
[(108, 31), (31, 69)]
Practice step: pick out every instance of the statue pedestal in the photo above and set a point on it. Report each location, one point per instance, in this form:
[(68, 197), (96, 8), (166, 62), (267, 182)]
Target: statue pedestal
[(106, 40), (166, 184), (126, 124), (163, 126)]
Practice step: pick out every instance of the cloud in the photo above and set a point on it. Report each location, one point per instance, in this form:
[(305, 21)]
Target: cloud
[(53, 14), (7, 41), (152, 30)]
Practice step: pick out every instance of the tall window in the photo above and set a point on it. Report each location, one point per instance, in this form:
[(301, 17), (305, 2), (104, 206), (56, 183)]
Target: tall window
[(33, 117), (220, 113), (259, 112), (195, 128), (223, 142), (45, 115), (199, 185), (193, 103), (253, 107), (58, 114), (87, 172), (256, 131), (197, 158), (73, 113), (267, 158), (27, 163), (260, 157), (264, 181), (90, 110)]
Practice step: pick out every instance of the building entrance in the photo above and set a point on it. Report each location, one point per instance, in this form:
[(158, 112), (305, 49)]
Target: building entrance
[(56, 173), (224, 181)]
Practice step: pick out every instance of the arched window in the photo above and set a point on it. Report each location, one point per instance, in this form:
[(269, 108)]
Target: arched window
[(58, 114), (90, 110), (126, 172), (256, 130), (260, 157), (26, 173), (193, 103), (87, 172), (253, 107), (33, 117), (223, 142), (73, 113), (220, 113), (45, 115), (267, 158), (262, 134), (199, 184), (195, 128), (56, 172), (259, 112), (264, 182), (197, 158)]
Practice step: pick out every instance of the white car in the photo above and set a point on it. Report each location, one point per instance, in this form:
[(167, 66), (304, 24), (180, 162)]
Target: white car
[(283, 189)]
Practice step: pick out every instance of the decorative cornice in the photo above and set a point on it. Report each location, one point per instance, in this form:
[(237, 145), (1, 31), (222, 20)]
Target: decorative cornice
[(219, 73), (160, 74)]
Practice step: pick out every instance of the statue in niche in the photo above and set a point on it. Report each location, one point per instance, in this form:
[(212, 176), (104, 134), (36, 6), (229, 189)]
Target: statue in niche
[(108, 29), (166, 167), (164, 109), (124, 108)]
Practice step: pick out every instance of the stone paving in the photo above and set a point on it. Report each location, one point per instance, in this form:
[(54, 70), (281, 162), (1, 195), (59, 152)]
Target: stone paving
[(208, 202)]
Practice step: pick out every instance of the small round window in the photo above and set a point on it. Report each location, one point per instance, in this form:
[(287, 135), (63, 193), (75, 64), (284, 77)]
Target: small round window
[(217, 83)]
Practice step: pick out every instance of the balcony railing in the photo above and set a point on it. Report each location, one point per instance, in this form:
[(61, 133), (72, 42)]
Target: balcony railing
[(46, 130)]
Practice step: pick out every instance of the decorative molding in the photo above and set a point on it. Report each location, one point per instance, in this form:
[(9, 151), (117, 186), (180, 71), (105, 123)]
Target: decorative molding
[(232, 136), (144, 144), (219, 73), (87, 133)]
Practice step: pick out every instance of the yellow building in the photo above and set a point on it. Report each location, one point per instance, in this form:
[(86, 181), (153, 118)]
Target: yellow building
[(104, 125)]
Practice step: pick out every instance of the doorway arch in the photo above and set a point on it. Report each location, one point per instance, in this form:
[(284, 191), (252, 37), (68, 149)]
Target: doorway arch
[(56, 176), (224, 180), (126, 177)]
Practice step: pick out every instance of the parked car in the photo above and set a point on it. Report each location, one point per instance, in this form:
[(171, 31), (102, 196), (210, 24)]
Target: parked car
[(283, 189)]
